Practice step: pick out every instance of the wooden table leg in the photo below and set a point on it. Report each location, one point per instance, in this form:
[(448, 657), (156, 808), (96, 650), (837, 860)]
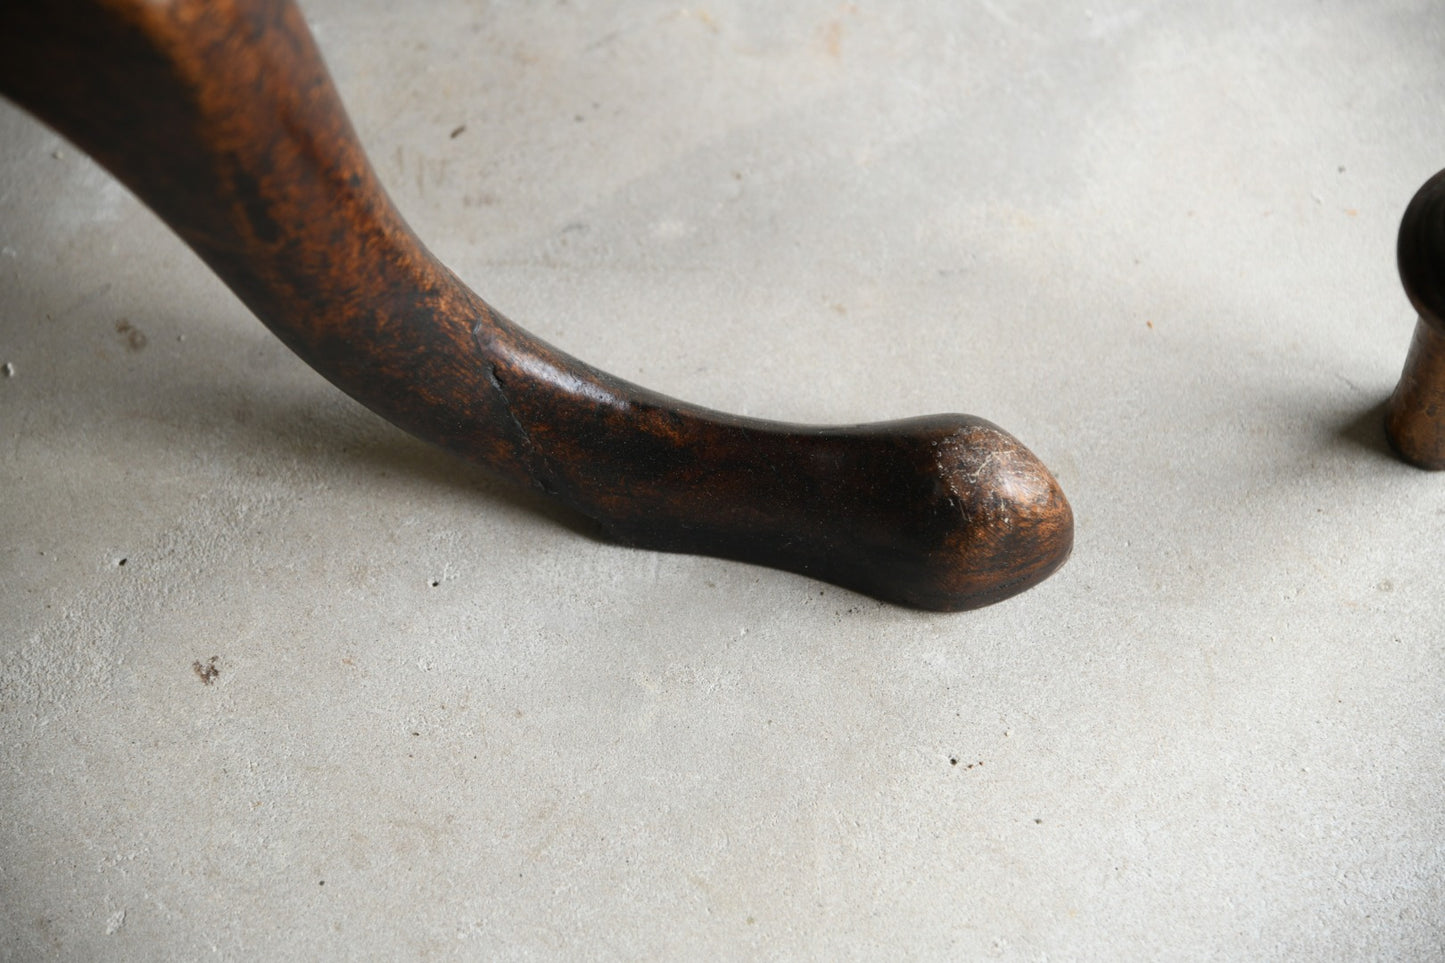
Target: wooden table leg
[(220, 115)]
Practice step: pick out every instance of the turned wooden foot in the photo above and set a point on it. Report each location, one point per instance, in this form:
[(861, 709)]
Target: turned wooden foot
[(1415, 418)]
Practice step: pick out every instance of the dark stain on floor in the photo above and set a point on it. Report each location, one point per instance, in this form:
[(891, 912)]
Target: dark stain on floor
[(207, 671)]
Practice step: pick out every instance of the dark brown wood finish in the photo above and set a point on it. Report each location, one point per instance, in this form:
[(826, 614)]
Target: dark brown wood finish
[(220, 115), (1415, 417)]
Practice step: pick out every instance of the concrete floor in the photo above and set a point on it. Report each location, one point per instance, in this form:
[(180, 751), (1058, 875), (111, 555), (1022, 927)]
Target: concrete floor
[(1155, 241)]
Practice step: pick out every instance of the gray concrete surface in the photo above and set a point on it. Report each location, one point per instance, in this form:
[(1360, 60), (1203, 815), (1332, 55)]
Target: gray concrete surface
[(1153, 240)]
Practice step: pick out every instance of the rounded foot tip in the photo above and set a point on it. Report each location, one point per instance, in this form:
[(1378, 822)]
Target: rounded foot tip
[(1000, 523)]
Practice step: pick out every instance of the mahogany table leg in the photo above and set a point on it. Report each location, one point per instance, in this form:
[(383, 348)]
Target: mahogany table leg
[(220, 115)]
